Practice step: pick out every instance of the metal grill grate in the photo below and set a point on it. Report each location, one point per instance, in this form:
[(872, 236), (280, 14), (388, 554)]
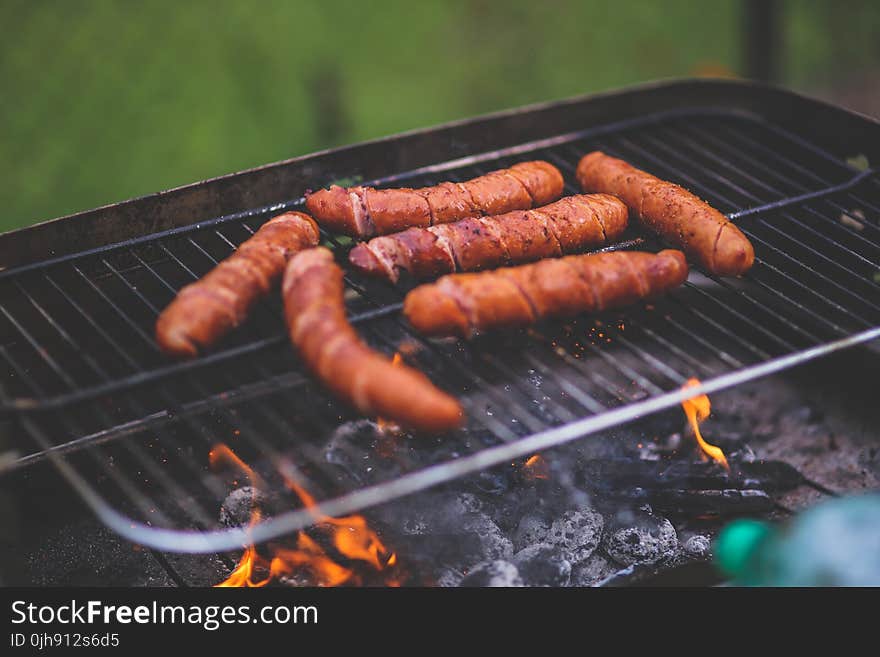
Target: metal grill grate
[(87, 387)]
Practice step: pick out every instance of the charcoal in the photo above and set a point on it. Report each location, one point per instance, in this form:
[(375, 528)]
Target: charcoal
[(238, 506), (696, 503), (465, 503), (543, 564), (352, 447), (498, 573), (698, 546), (806, 415), (530, 530), (577, 533), (436, 512), (298, 579), (415, 525), (634, 537), (360, 432), (496, 481), (507, 510), (448, 578), (494, 543), (593, 570), (610, 475), (705, 503), (454, 550)]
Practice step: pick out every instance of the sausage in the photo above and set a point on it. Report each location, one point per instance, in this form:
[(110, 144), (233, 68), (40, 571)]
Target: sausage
[(572, 224), (364, 211), (208, 309), (679, 217), (459, 304), (315, 312)]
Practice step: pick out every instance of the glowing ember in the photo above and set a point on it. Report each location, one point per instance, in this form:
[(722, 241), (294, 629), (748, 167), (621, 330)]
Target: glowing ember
[(536, 467), (350, 536), (388, 427), (697, 409)]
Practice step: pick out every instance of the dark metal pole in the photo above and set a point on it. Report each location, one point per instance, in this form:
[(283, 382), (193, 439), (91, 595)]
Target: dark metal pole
[(762, 39)]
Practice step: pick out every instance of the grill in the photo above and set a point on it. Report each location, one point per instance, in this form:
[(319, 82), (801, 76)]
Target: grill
[(87, 388)]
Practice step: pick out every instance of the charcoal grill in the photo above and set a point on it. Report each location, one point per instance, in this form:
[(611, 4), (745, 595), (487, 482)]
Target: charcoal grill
[(86, 387)]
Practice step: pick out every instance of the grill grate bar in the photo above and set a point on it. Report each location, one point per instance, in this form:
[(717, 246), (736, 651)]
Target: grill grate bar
[(757, 164), (143, 503), (664, 164), (133, 448), (811, 291), (251, 434), (789, 163), (757, 182)]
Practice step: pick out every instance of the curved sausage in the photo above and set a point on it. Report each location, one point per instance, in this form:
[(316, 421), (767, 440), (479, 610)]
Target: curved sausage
[(315, 312), (572, 224), (672, 212), (364, 211), (459, 304), (206, 310)]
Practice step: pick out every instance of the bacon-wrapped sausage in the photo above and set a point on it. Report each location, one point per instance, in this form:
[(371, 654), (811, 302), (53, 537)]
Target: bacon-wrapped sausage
[(206, 310), (364, 211), (572, 224), (313, 306), (672, 212), (460, 304)]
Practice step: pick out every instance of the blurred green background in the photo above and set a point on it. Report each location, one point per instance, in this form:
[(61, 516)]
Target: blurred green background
[(110, 99)]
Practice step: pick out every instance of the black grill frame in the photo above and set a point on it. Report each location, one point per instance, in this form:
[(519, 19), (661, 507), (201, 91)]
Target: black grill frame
[(816, 187)]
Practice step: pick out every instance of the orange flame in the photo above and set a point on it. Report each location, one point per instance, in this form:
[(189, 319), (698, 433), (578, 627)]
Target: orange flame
[(698, 409), (221, 454), (243, 572), (536, 467), (350, 536)]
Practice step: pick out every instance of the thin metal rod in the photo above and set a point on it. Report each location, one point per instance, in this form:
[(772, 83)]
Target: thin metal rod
[(771, 172), (696, 148), (184, 541)]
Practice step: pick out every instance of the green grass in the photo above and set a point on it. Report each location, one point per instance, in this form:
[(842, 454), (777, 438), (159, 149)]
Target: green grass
[(106, 100)]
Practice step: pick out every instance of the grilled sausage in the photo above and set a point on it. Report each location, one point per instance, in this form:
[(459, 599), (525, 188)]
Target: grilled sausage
[(313, 306), (571, 224), (459, 304), (206, 310), (364, 211), (679, 217)]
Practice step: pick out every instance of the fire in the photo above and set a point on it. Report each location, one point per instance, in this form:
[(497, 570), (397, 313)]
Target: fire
[(241, 576), (351, 537), (698, 409), (536, 467)]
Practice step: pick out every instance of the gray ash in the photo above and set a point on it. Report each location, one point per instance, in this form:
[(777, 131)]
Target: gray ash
[(531, 529), (493, 541), (238, 507), (698, 546), (543, 564), (593, 571), (577, 533), (639, 537), (589, 521), (496, 573)]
